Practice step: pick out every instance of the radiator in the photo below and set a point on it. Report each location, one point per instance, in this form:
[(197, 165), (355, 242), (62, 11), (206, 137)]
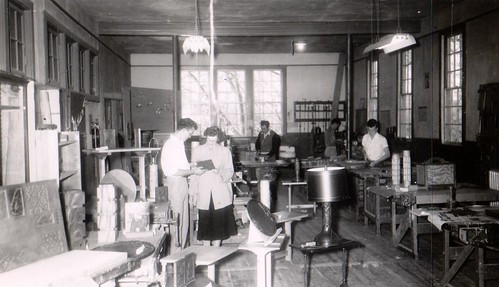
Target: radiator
[(494, 179)]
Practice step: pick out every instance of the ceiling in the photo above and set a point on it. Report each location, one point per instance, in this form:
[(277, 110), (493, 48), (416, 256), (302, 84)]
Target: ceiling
[(256, 26)]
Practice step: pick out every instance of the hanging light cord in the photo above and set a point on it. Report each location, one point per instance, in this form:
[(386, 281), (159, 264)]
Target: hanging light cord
[(196, 13), (399, 30), (212, 63), (377, 20)]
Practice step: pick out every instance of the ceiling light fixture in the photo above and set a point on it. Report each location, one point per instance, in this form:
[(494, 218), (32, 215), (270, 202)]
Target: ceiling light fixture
[(196, 43), (392, 42), (300, 46)]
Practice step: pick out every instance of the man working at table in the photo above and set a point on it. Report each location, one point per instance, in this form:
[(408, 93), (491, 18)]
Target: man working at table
[(176, 169), (375, 146), (267, 145)]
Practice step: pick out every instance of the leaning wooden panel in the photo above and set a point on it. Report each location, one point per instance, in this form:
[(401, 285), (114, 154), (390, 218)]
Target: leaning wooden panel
[(31, 223)]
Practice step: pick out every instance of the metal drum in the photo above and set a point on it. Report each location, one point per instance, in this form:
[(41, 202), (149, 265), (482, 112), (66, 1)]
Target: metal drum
[(327, 184)]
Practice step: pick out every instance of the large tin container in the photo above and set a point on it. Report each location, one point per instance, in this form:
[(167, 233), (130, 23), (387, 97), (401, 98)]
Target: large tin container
[(327, 184)]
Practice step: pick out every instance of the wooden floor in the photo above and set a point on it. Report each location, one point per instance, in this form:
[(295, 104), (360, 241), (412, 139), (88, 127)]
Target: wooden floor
[(378, 263)]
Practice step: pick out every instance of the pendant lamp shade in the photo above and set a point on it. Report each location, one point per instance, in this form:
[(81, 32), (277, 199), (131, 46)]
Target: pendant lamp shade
[(196, 44)]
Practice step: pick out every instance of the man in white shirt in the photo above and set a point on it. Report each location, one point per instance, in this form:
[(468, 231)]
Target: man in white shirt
[(375, 146), (176, 169)]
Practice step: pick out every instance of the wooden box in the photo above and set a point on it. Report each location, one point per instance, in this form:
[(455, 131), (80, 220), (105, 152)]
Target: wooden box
[(436, 172)]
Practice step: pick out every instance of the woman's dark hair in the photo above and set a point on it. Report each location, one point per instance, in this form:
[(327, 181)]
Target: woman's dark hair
[(215, 131)]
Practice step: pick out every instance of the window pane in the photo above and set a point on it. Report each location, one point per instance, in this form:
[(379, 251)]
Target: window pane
[(12, 23), (20, 63), (267, 88), (452, 96), (195, 91), (13, 54), (232, 101)]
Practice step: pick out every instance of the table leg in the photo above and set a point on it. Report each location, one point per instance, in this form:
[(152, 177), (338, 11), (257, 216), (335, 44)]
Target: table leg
[(102, 165), (306, 269), (344, 268), (415, 247), (289, 233), (378, 214), (394, 219), (402, 229), (211, 272), (446, 250), (264, 188), (481, 265), (142, 175), (290, 193), (457, 265), (364, 204), (268, 270), (261, 269)]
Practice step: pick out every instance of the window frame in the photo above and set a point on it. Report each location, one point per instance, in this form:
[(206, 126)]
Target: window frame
[(445, 72), (406, 77), (372, 88), (53, 55)]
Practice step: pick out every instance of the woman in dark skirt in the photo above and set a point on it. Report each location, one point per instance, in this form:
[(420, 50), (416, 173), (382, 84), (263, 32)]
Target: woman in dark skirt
[(211, 192)]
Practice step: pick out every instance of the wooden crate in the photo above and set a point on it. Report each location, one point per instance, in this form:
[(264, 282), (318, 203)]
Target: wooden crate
[(436, 172)]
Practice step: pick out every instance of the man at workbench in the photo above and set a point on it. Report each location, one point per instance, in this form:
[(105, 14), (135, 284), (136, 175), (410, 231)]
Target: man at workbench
[(267, 146), (176, 169), (375, 146)]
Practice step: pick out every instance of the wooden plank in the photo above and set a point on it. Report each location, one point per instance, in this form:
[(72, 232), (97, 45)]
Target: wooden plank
[(61, 269)]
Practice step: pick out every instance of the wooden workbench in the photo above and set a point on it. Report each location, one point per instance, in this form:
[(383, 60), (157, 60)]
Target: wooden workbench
[(412, 200)]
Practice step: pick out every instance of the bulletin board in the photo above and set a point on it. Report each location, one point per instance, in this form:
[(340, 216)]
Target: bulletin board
[(152, 109)]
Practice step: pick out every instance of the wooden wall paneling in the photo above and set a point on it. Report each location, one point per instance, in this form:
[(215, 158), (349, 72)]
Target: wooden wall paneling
[(46, 155)]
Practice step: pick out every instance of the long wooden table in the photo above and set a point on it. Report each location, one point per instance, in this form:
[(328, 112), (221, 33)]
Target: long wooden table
[(412, 200)]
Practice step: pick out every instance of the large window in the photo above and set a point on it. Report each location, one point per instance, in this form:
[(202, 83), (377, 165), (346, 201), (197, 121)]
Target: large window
[(16, 36), (452, 90), (232, 101), (243, 98), (267, 86), (405, 96), (195, 86), (372, 95)]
